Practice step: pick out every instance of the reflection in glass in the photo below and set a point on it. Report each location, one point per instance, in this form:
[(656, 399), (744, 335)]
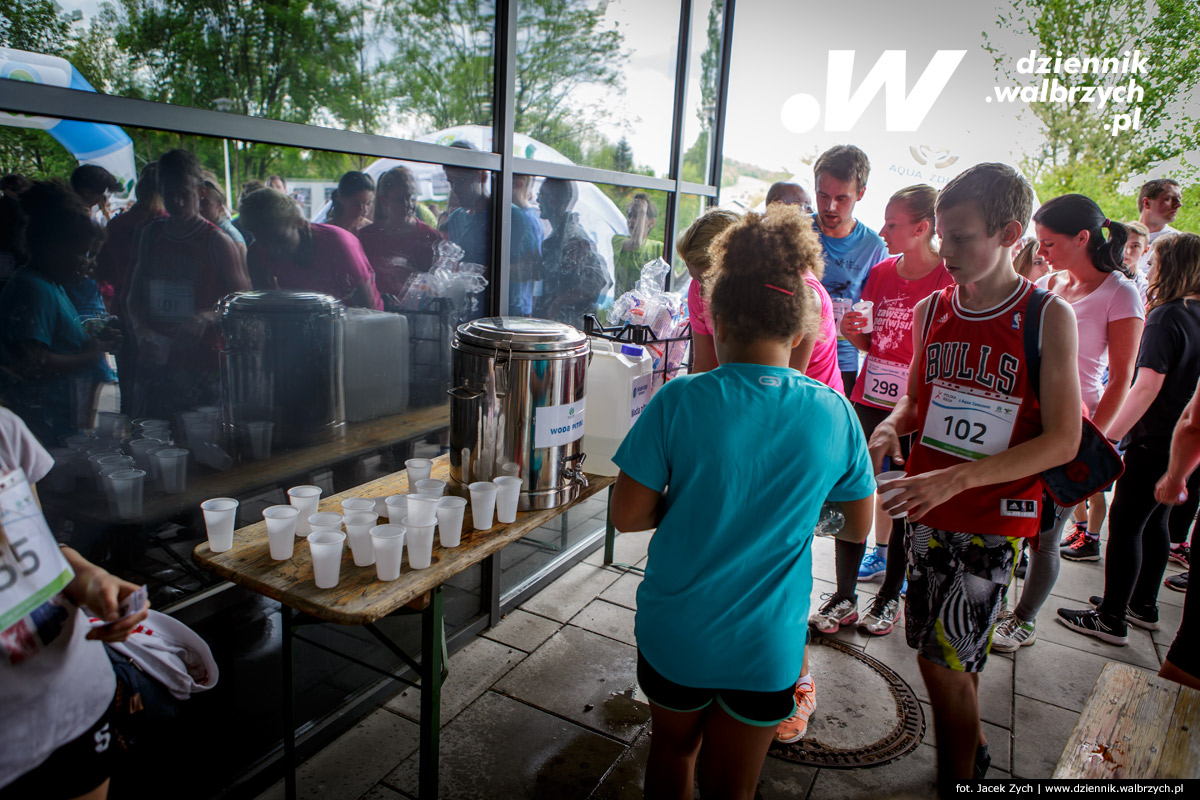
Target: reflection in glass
[(576, 275), (700, 106), (632, 251)]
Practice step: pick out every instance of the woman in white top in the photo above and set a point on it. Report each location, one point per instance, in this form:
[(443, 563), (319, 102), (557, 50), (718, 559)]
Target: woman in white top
[(56, 682), (1089, 273)]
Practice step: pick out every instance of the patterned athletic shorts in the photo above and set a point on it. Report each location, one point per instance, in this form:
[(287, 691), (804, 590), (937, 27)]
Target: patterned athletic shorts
[(956, 583)]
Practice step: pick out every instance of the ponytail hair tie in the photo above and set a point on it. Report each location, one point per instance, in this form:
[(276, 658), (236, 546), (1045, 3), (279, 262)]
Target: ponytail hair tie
[(776, 288), (1107, 223)]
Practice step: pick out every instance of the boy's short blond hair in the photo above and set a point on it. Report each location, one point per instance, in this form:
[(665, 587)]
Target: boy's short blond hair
[(1001, 194), (1136, 228), (270, 209)]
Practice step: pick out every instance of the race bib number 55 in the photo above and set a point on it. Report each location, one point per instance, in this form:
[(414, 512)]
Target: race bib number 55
[(32, 567), (968, 425)]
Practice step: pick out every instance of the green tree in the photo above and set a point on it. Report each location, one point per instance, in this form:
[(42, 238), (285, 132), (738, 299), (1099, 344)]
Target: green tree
[(442, 65), (622, 157), (1165, 33)]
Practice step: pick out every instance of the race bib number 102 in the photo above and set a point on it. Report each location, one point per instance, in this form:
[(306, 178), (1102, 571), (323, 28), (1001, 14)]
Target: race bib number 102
[(968, 425)]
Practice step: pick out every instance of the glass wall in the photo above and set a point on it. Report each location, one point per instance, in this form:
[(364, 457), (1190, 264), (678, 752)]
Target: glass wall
[(350, 152)]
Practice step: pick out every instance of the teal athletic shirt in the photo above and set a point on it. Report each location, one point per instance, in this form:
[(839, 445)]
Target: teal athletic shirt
[(746, 454)]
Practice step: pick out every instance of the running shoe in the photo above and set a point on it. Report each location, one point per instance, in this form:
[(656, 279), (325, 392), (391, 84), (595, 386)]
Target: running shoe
[(1146, 618), (1180, 554), (1177, 582), (983, 760), (792, 729), (881, 617), (1084, 549), (836, 612), (1091, 622), (1011, 634), (1071, 538), (873, 565)]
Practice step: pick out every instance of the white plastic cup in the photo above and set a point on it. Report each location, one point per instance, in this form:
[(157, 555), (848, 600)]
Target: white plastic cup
[(422, 510), (431, 487), (304, 498), (325, 521), (281, 530), (128, 488), (419, 539), (155, 475), (483, 503), (326, 550), (510, 468), (884, 495), (111, 424), (358, 532), (81, 441), (220, 515), (450, 512), (172, 469), (357, 504), (397, 507), (508, 496), (418, 470), (260, 435), (388, 543), (867, 309), (139, 449), (108, 463)]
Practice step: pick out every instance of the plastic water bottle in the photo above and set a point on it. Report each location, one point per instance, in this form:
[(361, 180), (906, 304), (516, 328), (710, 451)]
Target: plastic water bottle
[(831, 521)]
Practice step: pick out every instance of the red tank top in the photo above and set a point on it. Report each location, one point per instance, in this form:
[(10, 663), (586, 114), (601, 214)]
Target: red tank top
[(975, 399)]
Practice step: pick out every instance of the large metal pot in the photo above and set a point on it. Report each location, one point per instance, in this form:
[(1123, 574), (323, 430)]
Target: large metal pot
[(517, 397), (281, 361)]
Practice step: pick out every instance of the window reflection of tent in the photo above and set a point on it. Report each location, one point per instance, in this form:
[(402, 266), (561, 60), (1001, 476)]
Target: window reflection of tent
[(89, 142), (599, 216)]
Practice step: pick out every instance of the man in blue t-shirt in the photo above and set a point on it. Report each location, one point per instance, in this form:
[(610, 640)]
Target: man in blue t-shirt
[(850, 247)]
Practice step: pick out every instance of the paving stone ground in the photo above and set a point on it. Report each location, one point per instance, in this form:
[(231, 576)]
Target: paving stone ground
[(545, 705)]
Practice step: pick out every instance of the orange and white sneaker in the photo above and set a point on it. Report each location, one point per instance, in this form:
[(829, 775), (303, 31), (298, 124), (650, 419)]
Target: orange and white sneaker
[(792, 729)]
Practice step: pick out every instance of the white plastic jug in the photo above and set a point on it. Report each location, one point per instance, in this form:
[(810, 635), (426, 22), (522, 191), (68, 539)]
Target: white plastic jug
[(619, 386)]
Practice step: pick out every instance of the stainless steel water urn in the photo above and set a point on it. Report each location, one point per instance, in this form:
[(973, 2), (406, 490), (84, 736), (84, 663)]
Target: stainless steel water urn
[(517, 402), (281, 362)]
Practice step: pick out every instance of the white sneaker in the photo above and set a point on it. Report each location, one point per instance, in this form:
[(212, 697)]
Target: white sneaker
[(1010, 634), (835, 613)]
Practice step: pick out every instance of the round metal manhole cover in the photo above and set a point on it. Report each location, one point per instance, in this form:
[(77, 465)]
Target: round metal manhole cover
[(866, 714)]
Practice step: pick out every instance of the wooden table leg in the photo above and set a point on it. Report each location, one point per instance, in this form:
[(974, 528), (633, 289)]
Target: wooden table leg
[(432, 663), (289, 706)]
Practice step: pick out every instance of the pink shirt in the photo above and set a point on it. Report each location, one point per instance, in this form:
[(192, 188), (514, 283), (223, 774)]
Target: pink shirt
[(337, 266), (822, 366), (895, 298)]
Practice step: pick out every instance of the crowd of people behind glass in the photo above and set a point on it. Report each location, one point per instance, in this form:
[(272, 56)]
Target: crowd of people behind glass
[(86, 289)]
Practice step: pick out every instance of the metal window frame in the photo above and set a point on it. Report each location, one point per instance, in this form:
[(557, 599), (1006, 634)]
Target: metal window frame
[(50, 101)]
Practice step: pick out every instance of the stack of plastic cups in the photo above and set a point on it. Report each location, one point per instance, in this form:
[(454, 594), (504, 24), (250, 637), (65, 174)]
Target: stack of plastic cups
[(172, 469), (387, 543), (281, 530), (326, 549), (450, 512), (220, 517), (306, 499), (358, 531), (420, 541), (508, 497), (483, 504)]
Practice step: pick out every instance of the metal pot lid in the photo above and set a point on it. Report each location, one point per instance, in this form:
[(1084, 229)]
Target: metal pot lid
[(521, 334), (278, 301)]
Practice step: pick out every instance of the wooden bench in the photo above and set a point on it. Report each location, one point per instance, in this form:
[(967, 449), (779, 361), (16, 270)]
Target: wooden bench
[(1134, 725)]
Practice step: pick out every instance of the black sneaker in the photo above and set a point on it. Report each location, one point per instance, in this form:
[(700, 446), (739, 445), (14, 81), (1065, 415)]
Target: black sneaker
[(1177, 582), (983, 760), (1085, 548), (1092, 623), (1146, 618)]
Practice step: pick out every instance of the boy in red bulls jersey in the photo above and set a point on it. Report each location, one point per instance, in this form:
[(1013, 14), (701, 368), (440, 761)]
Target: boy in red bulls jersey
[(981, 439)]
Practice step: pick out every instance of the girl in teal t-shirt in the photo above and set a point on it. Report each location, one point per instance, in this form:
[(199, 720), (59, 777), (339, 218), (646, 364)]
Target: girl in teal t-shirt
[(731, 467)]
